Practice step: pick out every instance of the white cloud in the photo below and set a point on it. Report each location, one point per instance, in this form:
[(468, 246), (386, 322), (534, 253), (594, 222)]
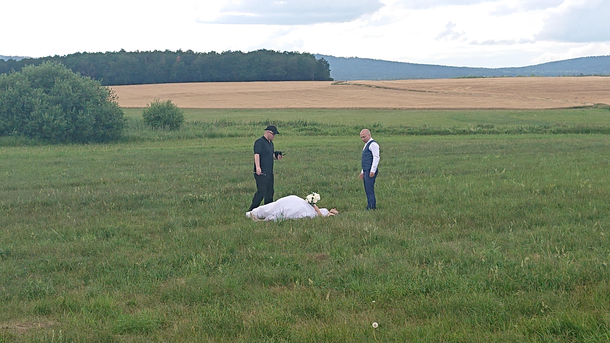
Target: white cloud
[(449, 33), (515, 6), (492, 42), (427, 4), (578, 21), (293, 12)]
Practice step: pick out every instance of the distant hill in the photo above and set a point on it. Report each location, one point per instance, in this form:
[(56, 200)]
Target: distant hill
[(354, 68), (16, 58)]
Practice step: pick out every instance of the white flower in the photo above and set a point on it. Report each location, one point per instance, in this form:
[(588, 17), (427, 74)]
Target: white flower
[(313, 198), (375, 325)]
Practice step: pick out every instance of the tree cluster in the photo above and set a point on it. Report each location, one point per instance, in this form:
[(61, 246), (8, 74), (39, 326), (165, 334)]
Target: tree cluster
[(129, 68), (163, 115), (50, 103)]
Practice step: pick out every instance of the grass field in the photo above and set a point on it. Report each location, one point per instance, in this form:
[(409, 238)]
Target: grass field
[(401, 118), (492, 227)]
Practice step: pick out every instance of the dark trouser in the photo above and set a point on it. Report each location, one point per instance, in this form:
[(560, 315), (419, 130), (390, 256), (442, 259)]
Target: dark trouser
[(264, 190), (369, 189)]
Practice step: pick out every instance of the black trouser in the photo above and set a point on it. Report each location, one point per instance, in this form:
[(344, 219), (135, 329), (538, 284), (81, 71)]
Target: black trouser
[(264, 190)]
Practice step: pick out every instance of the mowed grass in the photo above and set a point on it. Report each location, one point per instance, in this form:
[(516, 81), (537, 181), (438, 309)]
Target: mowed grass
[(210, 123), (494, 237)]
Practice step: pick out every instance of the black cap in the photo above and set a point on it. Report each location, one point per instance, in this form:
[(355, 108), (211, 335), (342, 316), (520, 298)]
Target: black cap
[(272, 129)]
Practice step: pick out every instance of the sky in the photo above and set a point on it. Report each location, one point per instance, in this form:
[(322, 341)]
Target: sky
[(470, 33)]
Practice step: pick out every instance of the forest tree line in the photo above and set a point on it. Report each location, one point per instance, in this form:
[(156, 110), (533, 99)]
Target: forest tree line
[(151, 67)]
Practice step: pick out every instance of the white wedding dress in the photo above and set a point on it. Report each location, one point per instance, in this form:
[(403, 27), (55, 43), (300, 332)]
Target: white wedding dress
[(289, 207)]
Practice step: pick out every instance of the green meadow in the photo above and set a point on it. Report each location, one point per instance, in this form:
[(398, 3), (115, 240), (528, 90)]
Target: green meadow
[(492, 226)]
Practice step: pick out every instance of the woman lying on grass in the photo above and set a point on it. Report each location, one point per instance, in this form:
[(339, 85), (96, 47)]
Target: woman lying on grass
[(291, 207)]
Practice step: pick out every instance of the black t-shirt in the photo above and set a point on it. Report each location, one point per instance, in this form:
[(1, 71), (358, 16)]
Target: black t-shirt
[(264, 149)]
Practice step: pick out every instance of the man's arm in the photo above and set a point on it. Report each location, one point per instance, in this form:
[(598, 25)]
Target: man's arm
[(374, 148), (257, 164)]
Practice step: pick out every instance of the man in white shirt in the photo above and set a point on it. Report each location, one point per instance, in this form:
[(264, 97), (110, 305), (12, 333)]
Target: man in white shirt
[(370, 162)]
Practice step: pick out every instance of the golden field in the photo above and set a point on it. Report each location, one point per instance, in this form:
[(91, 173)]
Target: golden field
[(474, 93)]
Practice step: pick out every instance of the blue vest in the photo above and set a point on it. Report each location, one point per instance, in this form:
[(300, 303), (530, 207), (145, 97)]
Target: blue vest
[(367, 157)]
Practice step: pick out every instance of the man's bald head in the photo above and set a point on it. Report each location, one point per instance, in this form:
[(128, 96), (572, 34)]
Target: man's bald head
[(365, 135)]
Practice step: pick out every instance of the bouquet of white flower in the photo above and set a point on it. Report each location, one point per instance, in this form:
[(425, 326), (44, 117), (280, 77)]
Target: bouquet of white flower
[(313, 198)]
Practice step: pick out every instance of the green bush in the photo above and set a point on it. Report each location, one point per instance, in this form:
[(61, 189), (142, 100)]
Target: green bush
[(163, 115), (51, 103)]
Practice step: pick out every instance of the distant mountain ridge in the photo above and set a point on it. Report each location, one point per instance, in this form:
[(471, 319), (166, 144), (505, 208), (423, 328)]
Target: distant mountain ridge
[(354, 68), (16, 58)]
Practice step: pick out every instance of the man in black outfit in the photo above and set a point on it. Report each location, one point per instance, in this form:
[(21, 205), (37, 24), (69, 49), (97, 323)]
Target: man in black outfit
[(264, 154)]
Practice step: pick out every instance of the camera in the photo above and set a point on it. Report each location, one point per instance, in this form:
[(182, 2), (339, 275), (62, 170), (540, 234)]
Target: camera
[(278, 153)]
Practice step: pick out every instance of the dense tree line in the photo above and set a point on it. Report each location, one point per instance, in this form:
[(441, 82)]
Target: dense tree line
[(128, 68)]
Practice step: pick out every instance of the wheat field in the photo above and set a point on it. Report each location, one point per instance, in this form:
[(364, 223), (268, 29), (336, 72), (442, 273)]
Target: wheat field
[(470, 93)]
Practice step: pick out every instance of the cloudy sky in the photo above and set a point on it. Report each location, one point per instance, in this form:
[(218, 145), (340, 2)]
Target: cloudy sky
[(472, 33)]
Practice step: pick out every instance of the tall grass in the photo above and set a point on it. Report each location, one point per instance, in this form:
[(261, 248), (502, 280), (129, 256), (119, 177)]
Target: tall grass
[(486, 237), (332, 122)]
